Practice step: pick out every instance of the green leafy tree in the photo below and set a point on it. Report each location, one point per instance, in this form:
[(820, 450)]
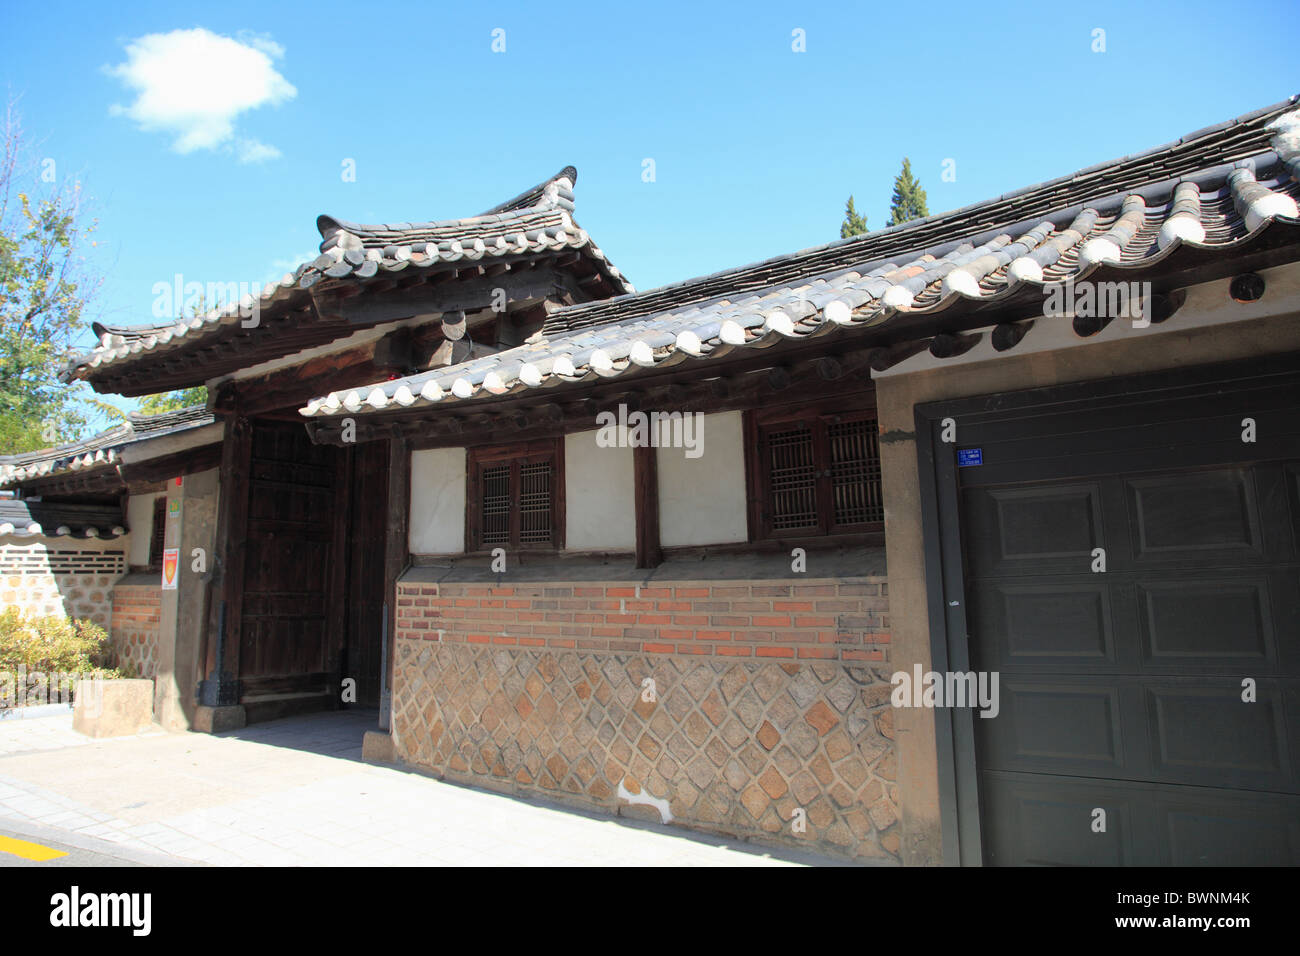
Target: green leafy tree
[(45, 285), (909, 198), (171, 401), (853, 224)]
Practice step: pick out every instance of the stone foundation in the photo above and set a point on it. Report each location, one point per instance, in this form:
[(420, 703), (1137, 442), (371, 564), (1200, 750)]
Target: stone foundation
[(756, 709)]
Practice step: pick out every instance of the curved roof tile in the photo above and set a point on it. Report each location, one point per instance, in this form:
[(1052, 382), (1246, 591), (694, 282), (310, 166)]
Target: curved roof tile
[(986, 253), (538, 220), (101, 450)]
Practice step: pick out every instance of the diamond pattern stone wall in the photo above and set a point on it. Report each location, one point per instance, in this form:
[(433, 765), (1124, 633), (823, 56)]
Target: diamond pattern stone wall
[(797, 752), (137, 611)]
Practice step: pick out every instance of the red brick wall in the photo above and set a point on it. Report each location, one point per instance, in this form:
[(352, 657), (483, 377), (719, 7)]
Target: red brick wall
[(821, 620), (754, 708), (134, 630)]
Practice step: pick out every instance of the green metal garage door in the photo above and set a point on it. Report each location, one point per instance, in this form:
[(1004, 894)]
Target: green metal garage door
[(1127, 734)]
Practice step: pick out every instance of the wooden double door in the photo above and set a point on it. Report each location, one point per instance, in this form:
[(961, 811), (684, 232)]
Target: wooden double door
[(311, 611)]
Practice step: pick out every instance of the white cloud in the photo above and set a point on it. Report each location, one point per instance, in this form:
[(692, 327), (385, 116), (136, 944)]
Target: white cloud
[(253, 151), (194, 84)]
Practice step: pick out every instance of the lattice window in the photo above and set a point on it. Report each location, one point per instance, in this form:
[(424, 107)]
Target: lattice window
[(515, 498), (815, 473), (792, 479), (855, 472), (496, 504), (535, 494)]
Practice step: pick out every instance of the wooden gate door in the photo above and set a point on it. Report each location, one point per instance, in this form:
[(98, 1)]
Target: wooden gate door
[(285, 647)]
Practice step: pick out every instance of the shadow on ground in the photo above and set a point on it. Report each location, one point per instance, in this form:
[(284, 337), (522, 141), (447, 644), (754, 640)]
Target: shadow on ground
[(335, 733), (339, 734)]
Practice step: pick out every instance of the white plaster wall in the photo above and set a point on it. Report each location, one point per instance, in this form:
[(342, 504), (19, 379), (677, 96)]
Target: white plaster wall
[(702, 500), (438, 501), (139, 518), (599, 495)]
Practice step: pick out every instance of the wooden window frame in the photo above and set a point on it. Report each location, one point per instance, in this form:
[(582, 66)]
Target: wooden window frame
[(158, 533), (479, 456), (818, 416)]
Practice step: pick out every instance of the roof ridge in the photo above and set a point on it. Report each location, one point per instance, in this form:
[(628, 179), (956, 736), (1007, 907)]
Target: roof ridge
[(137, 427), (536, 195), (541, 196), (89, 443), (171, 413), (559, 320), (1212, 194)]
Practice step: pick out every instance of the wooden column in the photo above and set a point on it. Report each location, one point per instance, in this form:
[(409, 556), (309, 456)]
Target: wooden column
[(340, 614), (220, 684), (646, 489), (396, 557)]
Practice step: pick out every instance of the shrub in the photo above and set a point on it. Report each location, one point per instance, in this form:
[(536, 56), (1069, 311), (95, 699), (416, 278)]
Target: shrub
[(50, 645)]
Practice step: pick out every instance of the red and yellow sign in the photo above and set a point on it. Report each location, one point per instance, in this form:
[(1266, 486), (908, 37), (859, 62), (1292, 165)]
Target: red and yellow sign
[(171, 564)]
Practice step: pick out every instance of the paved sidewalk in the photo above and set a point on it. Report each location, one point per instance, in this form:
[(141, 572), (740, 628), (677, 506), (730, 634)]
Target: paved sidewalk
[(295, 792), (26, 735)]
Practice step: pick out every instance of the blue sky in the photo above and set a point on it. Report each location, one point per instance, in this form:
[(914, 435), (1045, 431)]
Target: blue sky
[(755, 146)]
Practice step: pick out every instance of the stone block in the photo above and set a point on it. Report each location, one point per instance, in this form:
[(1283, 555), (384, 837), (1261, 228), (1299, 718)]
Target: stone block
[(112, 708), (215, 720), (377, 747)]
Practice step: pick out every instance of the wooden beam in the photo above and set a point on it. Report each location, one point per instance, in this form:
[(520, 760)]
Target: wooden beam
[(673, 395), (645, 463), (220, 658), (288, 389), (187, 462), (394, 352), (449, 352), (829, 368), (472, 295), (1089, 325), (884, 359), (453, 325), (951, 344), (1163, 305), (1007, 335)]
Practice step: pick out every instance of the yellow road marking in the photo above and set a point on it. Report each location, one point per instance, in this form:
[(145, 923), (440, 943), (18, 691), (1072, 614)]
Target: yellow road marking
[(28, 851)]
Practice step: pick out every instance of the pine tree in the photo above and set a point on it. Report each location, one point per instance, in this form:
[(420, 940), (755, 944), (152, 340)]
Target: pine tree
[(853, 224), (909, 198)]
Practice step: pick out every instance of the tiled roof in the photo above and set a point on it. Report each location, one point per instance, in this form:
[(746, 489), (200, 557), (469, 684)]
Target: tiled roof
[(101, 450), (50, 520), (1211, 191), (539, 220)]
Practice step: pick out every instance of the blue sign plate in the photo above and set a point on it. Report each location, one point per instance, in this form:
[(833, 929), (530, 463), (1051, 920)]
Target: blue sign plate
[(969, 456)]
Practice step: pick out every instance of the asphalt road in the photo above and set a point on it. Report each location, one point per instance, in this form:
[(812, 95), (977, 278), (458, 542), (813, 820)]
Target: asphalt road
[(51, 847)]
